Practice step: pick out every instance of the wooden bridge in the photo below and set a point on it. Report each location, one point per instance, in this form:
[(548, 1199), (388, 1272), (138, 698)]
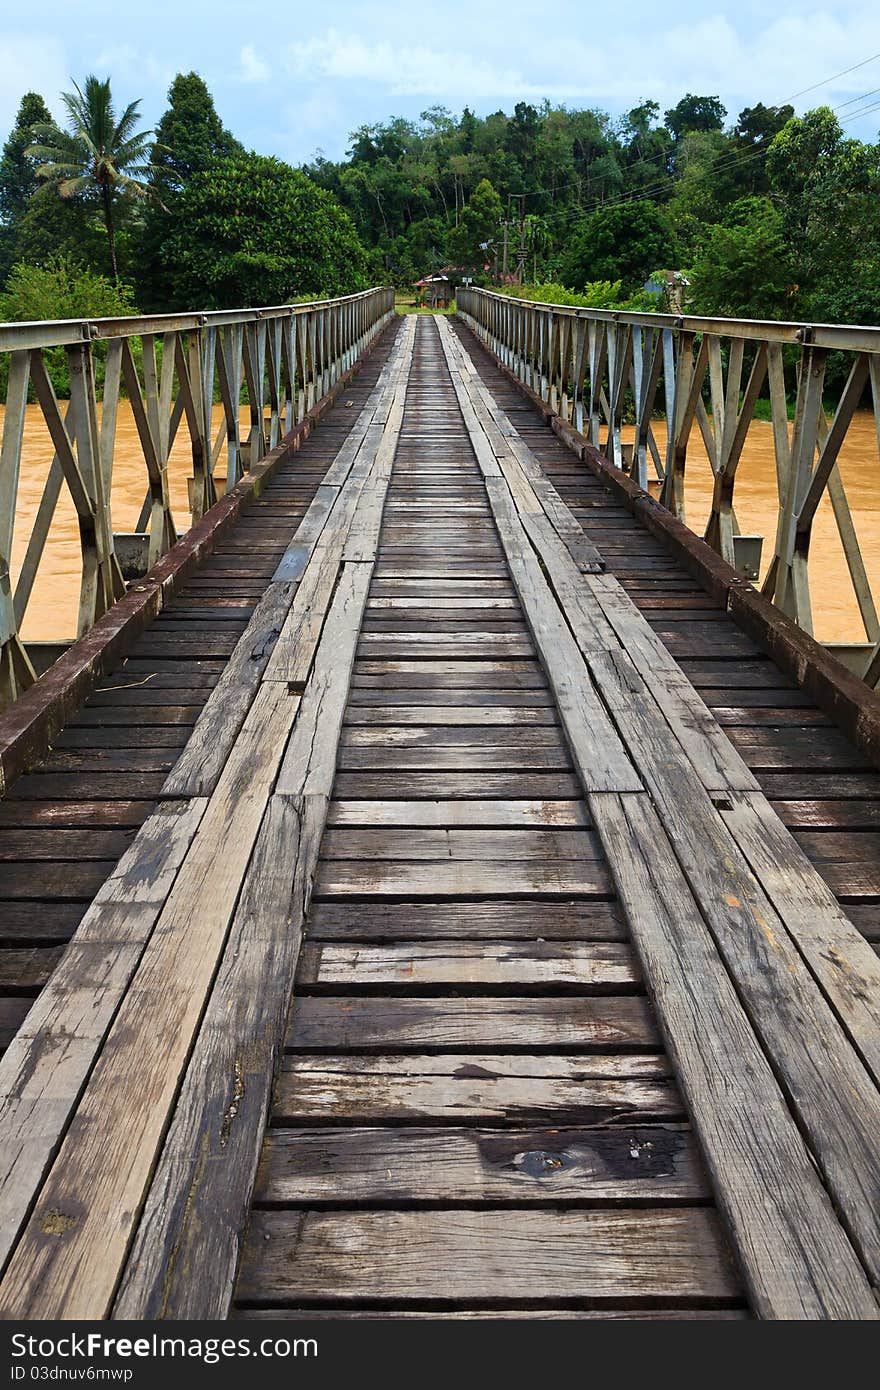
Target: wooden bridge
[(450, 894)]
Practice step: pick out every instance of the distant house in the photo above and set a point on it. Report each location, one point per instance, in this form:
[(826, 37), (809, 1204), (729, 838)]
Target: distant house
[(670, 287), (434, 290)]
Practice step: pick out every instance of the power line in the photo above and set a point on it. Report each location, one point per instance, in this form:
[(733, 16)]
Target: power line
[(636, 195), (852, 100), (725, 165), (825, 80)]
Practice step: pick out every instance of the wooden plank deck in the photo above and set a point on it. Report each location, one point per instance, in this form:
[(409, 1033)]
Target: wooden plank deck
[(579, 1026)]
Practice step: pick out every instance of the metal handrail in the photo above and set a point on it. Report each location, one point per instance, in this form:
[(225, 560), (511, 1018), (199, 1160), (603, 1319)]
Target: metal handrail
[(278, 360), (594, 367)]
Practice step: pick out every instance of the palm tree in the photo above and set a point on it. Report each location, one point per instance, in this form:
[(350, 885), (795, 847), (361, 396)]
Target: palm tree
[(97, 151)]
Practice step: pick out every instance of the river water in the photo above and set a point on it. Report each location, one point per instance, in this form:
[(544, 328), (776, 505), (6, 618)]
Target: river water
[(51, 614)]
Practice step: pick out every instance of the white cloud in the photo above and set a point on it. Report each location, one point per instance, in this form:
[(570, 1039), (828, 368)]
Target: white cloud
[(404, 69), (253, 67), (741, 61)]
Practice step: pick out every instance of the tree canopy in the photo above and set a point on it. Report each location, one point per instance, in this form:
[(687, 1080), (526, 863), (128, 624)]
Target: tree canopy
[(251, 230), (100, 151), (623, 241), (765, 213)]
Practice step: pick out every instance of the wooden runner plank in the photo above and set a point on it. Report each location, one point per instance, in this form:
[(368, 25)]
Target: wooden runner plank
[(590, 733), (283, 632), (72, 1249), (795, 1255), (196, 1208), (185, 1253), (844, 963), (827, 1083), (46, 1066), (197, 770)]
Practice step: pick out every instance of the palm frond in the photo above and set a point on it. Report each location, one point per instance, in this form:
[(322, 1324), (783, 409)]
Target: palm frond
[(127, 123), (134, 151), (53, 170), (69, 187)]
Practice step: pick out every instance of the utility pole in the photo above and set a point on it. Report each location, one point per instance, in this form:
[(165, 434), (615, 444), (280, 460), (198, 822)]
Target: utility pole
[(521, 253)]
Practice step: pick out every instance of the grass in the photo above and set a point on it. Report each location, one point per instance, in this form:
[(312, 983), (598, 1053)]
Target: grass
[(404, 304)]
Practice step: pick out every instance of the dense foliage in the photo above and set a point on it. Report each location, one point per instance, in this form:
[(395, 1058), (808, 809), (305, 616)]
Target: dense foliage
[(177, 218), (770, 215), (100, 153), (251, 230), (61, 290)]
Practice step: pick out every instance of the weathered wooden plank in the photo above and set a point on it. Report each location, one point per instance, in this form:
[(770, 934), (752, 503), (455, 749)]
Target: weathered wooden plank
[(501, 1088), (298, 553), (589, 731), (39, 923), (395, 783), (451, 736), (283, 633), (310, 759), (426, 844), (838, 1105), (101, 1172), (473, 757), (483, 919), (199, 766), (574, 964), (39, 843), (500, 1314), (26, 969), (835, 951), (481, 716), (462, 877), (45, 1069), (46, 815), (13, 1013), (541, 1255), (796, 1257), (644, 1163), (338, 1022), (436, 814), (185, 1253)]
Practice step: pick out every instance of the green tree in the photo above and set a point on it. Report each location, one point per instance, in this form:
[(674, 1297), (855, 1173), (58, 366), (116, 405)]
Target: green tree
[(18, 174), (623, 241), (99, 151), (61, 290), (53, 227), (827, 187), (250, 230), (745, 269), (474, 241), (18, 168), (189, 137), (694, 113)]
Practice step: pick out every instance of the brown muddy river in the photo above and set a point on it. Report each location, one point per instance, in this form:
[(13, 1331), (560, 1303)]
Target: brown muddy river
[(52, 610)]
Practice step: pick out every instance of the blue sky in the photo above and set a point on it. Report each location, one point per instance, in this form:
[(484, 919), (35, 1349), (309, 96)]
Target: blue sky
[(289, 79)]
